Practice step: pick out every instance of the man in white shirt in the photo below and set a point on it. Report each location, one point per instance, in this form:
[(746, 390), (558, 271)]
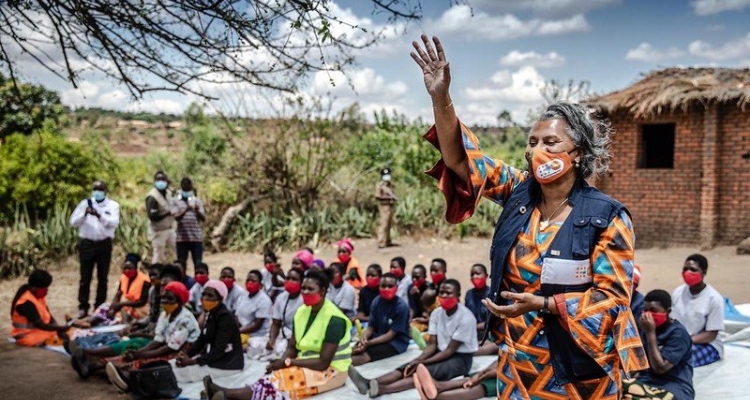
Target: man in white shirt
[(96, 219)]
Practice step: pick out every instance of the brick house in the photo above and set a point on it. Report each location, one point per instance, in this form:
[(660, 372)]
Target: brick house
[(682, 155)]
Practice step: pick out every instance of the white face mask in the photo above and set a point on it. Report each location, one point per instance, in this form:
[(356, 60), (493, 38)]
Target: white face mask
[(387, 177)]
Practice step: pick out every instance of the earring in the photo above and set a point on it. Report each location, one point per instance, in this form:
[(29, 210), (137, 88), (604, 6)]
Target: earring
[(576, 164)]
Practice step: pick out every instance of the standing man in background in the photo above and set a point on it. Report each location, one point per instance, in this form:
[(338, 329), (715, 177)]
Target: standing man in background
[(386, 200), (161, 226), (96, 219), (188, 210)]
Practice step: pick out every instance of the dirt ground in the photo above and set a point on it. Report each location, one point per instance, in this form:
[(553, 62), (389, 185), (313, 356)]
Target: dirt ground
[(37, 374)]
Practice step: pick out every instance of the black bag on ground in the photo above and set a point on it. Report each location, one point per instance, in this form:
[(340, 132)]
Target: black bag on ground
[(154, 380)]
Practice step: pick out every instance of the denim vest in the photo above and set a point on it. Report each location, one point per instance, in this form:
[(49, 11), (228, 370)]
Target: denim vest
[(591, 213)]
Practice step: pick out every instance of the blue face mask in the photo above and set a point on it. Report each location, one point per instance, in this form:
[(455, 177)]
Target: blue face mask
[(161, 185), (99, 195), (187, 194)]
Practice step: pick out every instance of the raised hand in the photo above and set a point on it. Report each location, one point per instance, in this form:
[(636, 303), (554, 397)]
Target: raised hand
[(436, 70)]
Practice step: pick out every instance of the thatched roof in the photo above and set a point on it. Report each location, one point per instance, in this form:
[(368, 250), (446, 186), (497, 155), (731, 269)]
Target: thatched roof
[(677, 89)]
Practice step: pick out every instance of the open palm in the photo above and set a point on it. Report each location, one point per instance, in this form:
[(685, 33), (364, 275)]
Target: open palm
[(435, 68)]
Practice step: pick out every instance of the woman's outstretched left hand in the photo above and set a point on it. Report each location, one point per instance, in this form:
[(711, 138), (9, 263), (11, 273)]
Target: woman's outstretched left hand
[(521, 304)]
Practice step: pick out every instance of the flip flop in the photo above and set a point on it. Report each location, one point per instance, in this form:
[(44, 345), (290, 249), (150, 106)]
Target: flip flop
[(207, 383), (426, 382)]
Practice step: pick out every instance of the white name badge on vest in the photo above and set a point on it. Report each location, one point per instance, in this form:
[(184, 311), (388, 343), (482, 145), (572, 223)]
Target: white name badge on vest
[(558, 271)]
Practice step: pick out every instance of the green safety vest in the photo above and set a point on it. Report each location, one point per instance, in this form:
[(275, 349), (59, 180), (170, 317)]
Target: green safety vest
[(310, 343)]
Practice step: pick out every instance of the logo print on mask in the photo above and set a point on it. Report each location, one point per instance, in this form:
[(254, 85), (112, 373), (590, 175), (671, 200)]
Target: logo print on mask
[(549, 169)]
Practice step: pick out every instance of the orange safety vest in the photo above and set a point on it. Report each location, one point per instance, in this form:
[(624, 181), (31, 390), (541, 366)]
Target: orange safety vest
[(354, 265), (24, 331), (132, 292)]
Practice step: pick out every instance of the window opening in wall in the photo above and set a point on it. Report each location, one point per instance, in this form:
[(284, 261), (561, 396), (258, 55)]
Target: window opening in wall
[(657, 146)]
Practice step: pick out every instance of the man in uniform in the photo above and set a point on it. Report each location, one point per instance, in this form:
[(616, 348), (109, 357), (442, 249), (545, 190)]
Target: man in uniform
[(386, 200)]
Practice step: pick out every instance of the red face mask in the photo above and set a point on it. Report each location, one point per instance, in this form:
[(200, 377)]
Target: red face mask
[(130, 273), (399, 272), (549, 167), (479, 283), (448, 303), (388, 294), (269, 267), (252, 287), (292, 287), (692, 278), (373, 282), (660, 318), (229, 282), (201, 278), (437, 278), (344, 258), (311, 299), (337, 280), (419, 282), (41, 293)]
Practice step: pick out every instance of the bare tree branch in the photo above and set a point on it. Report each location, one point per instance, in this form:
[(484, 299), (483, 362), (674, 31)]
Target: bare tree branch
[(177, 45)]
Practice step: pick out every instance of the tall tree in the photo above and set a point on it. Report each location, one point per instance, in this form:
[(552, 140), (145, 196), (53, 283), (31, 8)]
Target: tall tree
[(183, 45), (25, 108)]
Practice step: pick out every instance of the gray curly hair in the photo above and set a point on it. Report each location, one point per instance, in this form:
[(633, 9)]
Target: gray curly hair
[(591, 134)]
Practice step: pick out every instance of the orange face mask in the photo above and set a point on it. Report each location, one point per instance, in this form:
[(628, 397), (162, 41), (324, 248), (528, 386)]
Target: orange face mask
[(549, 167)]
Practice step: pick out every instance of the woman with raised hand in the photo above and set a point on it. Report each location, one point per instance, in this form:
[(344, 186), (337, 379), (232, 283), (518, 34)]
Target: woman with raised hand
[(562, 253)]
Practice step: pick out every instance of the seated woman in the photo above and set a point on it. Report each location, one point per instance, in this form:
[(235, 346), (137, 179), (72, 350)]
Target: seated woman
[(234, 292), (254, 309), (449, 353), (668, 347), (131, 298), (476, 386), (419, 285), (303, 259), (700, 309), (341, 293), (316, 359), (369, 292), (387, 334), (353, 269), (283, 312), (196, 292), (218, 351), (273, 275), (175, 330), (476, 294), (33, 324)]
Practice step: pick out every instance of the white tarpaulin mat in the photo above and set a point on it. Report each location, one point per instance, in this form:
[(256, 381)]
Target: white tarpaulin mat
[(728, 379)]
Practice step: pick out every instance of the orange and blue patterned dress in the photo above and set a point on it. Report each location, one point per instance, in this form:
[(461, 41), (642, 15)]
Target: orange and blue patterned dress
[(599, 319)]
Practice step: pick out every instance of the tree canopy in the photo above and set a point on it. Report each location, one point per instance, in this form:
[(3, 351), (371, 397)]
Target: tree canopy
[(25, 108), (183, 46)]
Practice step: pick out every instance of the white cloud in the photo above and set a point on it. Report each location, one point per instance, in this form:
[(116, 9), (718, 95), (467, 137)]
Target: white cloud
[(462, 21), (516, 91), (731, 50), (156, 106), (557, 8), (709, 7), (646, 52), (517, 59)]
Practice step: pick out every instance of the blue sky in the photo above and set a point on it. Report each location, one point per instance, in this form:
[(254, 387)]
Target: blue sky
[(500, 51)]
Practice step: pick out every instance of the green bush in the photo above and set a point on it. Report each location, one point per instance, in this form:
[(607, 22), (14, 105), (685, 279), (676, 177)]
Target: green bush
[(40, 170)]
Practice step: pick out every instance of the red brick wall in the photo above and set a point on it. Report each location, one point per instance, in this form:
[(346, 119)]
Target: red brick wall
[(665, 203), (734, 181)]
